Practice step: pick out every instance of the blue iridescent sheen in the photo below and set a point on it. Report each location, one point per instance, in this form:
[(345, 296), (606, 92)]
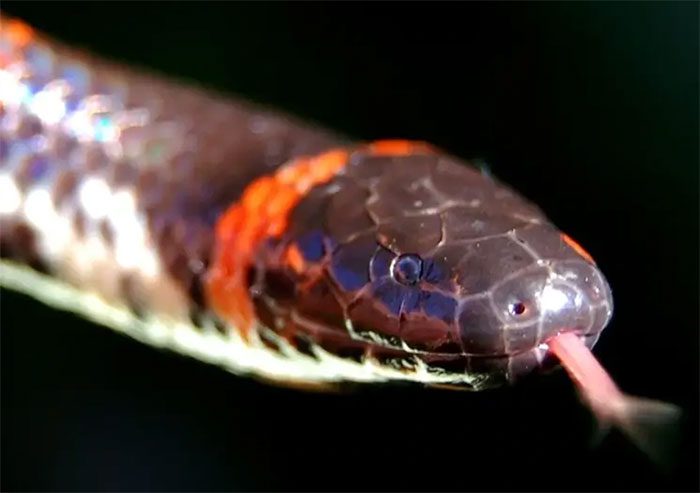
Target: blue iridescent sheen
[(41, 61), (78, 78), (433, 272), (103, 129), (439, 306), (29, 90), (4, 150), (391, 295), (311, 246), (380, 263), (38, 168), (349, 263)]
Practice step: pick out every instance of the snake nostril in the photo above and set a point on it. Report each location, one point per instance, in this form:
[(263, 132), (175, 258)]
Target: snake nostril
[(518, 308)]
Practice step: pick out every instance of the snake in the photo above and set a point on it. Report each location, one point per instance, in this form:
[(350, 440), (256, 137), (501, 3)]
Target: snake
[(246, 238)]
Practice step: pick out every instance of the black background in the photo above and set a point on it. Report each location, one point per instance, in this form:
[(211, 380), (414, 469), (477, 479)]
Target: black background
[(589, 109)]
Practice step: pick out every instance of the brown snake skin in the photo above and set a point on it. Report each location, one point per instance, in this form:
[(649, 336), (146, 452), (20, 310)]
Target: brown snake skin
[(410, 266)]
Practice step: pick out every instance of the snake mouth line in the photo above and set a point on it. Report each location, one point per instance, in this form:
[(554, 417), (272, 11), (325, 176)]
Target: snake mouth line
[(375, 343)]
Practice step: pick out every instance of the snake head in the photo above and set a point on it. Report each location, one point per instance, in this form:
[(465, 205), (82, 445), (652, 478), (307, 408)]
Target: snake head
[(408, 253)]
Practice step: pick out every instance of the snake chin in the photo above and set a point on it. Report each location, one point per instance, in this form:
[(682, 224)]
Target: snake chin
[(395, 361)]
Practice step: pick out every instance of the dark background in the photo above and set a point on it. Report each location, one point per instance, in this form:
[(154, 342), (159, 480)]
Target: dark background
[(589, 109)]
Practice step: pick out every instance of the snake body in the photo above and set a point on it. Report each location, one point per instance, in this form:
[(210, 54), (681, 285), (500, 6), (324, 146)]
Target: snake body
[(251, 240)]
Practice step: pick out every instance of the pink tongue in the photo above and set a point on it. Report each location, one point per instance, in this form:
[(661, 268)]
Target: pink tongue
[(593, 381), (651, 425)]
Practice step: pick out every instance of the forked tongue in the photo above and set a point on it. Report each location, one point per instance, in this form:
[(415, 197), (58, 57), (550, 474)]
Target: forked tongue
[(650, 425)]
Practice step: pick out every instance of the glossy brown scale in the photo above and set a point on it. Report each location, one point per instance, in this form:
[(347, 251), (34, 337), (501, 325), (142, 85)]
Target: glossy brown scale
[(169, 148), (424, 256), (248, 239), (405, 255)]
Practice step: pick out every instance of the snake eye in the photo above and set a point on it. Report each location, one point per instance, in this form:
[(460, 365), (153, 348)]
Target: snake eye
[(406, 269), (517, 309)]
